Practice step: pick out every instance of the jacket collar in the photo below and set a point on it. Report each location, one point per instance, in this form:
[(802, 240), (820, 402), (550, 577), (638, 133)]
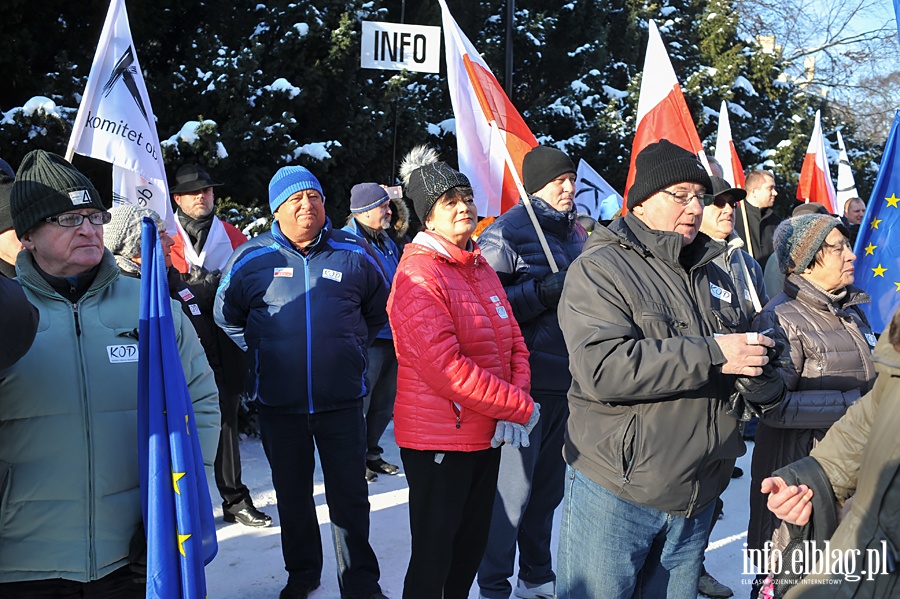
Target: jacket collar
[(29, 276), (550, 218), (631, 231), (320, 239), (799, 288), (437, 245)]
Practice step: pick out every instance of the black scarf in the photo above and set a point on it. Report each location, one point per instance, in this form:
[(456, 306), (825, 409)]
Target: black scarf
[(197, 229)]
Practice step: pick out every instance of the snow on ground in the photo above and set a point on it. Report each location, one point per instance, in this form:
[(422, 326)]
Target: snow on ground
[(249, 564)]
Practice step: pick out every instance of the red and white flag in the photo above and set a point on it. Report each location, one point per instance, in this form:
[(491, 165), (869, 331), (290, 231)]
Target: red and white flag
[(490, 132), (115, 122), (815, 178), (726, 154), (662, 111)]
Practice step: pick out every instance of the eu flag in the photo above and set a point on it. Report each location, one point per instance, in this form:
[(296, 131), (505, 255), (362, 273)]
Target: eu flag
[(878, 244), (178, 519)]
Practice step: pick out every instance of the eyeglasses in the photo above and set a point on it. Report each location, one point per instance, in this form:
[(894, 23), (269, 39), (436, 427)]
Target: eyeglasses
[(684, 197), (73, 219)]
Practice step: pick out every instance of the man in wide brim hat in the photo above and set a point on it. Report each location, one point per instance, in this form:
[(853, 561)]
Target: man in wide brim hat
[(192, 177)]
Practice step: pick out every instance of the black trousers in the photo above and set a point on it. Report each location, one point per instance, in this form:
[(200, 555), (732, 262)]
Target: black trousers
[(451, 497), (235, 495), (290, 442), (119, 584)]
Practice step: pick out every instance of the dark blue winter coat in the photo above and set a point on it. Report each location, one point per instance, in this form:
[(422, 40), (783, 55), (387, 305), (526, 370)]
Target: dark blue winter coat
[(306, 320), (511, 247), (389, 258)]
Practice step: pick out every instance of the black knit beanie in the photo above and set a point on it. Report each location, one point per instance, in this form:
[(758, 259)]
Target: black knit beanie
[(662, 164), (47, 185), (428, 183), (543, 164), (6, 183)]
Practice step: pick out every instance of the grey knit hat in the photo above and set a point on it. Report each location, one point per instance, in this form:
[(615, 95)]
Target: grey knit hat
[(662, 164), (47, 185), (798, 238), (122, 236)]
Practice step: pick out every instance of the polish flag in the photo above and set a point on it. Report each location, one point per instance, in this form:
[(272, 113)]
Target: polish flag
[(726, 154), (492, 139), (815, 178), (662, 111)]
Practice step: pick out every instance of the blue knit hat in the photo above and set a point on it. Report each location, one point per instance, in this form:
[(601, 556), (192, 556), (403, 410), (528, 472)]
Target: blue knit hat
[(365, 196), (288, 181)]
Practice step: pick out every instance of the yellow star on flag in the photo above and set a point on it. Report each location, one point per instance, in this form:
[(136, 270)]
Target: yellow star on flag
[(879, 271), (186, 425), (876, 222), (892, 201), (870, 249), (181, 540), (898, 286), (176, 476)]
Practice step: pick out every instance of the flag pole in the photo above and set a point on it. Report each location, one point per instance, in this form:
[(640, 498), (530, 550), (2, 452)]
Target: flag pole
[(527, 201), (747, 230)]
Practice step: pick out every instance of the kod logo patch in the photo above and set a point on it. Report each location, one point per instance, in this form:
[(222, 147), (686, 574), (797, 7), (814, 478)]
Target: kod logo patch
[(720, 293), (122, 353)]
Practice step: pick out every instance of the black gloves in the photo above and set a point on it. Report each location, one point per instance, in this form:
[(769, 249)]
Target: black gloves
[(550, 288), (755, 395)]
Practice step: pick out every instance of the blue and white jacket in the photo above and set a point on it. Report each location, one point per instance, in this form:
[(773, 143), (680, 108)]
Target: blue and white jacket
[(306, 320)]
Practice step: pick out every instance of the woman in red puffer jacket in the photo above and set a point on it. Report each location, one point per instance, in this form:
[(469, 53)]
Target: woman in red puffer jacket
[(462, 382)]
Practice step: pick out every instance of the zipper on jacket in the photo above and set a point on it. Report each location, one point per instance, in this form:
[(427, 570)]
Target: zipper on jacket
[(309, 349), (77, 323)]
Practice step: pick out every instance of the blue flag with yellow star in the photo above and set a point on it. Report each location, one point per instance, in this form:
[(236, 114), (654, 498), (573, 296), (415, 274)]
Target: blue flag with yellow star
[(178, 519), (878, 244)]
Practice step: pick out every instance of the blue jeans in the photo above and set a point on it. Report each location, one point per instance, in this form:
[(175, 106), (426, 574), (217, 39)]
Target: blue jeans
[(616, 549), (378, 403)]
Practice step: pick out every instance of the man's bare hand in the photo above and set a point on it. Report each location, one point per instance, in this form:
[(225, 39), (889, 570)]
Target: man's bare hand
[(745, 353), (788, 502)]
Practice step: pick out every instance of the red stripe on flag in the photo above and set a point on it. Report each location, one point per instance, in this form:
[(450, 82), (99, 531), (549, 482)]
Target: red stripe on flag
[(813, 186), (736, 166), (671, 120)]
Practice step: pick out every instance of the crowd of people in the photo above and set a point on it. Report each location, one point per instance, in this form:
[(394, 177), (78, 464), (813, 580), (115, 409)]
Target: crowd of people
[(615, 369)]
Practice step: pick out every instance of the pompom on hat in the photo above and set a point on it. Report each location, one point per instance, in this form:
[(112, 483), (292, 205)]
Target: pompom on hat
[(426, 179)]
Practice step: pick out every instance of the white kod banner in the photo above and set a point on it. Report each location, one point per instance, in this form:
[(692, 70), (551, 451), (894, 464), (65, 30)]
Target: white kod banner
[(393, 46)]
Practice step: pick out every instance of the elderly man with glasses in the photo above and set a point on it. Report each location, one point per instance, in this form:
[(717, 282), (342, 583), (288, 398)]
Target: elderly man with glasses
[(68, 451), (657, 344)]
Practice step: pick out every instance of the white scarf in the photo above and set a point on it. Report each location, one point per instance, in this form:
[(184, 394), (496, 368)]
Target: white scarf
[(216, 251)]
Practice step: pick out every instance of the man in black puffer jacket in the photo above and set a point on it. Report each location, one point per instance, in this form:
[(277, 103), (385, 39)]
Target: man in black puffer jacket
[(530, 484)]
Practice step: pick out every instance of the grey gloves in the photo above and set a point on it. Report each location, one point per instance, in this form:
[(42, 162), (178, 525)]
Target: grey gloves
[(550, 288), (511, 433)]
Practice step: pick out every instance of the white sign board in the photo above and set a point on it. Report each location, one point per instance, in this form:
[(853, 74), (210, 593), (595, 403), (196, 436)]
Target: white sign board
[(395, 47)]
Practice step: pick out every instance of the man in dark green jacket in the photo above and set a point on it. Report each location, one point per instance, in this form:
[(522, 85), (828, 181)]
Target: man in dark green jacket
[(656, 341)]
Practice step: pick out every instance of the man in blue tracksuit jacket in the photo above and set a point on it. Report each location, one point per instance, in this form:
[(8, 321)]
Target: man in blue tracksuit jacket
[(370, 218), (305, 301)]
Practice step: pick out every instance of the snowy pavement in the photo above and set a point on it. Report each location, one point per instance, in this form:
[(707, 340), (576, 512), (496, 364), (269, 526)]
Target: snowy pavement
[(249, 563)]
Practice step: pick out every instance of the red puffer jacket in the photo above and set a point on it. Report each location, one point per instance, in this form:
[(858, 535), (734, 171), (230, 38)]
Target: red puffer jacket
[(463, 363)]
